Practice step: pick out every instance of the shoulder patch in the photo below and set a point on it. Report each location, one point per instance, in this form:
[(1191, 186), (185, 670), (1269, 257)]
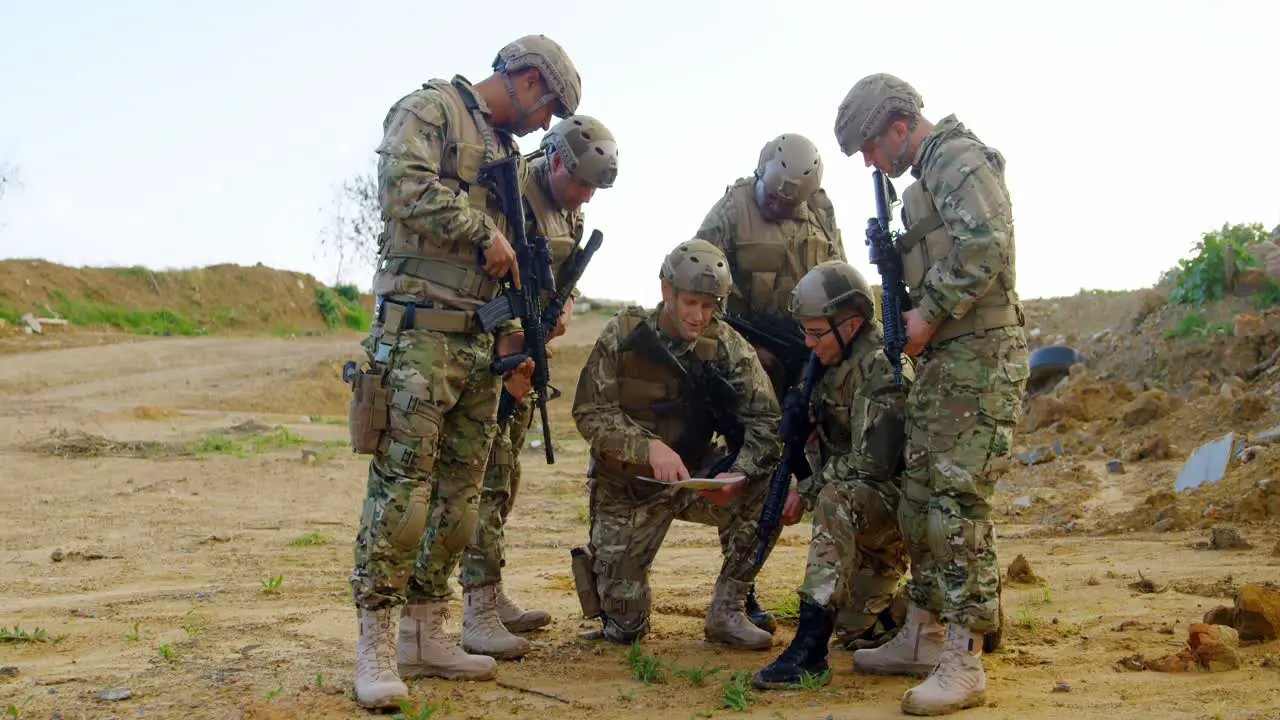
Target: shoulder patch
[(427, 105)]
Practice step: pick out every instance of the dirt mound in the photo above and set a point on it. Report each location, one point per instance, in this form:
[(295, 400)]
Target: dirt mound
[(218, 298)]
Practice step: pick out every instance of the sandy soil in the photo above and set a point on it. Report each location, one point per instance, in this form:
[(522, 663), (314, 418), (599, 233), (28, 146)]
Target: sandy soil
[(163, 553)]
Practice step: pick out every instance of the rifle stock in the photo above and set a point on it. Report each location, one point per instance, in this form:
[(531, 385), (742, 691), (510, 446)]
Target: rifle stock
[(894, 299)]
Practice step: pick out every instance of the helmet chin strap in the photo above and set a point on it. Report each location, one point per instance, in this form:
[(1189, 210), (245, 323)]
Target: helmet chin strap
[(522, 115)]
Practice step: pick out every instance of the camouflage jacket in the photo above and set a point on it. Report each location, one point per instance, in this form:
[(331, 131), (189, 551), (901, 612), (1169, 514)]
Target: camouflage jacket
[(614, 434), (861, 418), (966, 179)]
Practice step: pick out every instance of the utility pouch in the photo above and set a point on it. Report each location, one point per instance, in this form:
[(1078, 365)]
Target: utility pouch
[(367, 415), (584, 578)]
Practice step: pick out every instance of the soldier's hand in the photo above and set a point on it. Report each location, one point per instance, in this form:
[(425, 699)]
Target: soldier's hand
[(520, 380), (793, 508), (666, 463), (562, 322), (724, 495), (918, 332), (499, 259)]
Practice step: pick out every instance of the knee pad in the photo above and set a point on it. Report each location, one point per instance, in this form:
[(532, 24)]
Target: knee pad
[(406, 534), (623, 632)]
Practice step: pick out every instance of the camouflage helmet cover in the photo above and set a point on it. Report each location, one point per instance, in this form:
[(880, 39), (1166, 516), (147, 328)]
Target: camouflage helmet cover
[(790, 167), (697, 266), (865, 111), (587, 149), (552, 63), (827, 289)]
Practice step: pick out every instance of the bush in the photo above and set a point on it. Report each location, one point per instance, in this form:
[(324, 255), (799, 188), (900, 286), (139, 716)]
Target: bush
[(1204, 276)]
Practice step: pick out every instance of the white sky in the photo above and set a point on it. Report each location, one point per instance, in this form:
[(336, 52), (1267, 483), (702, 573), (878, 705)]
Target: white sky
[(178, 134)]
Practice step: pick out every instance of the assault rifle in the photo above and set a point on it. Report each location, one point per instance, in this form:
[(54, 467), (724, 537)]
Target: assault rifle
[(794, 432), (893, 289), (534, 260), (702, 389), (779, 335)]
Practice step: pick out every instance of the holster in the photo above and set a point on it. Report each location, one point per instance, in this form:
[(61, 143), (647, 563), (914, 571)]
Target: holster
[(367, 413), (584, 578)]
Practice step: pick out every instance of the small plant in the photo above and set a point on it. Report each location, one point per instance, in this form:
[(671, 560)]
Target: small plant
[(311, 538), (788, 609), (644, 666), (15, 711), (1194, 325), (1047, 595), (17, 635), (319, 680), (1203, 277), (273, 693), (188, 623), (407, 711), (627, 696), (166, 652), (809, 681), (271, 585), (135, 634), (737, 692), (1025, 618), (696, 674)]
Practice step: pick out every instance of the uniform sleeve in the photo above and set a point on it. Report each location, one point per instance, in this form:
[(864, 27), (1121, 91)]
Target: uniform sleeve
[(757, 409), (409, 183), (877, 424), (974, 204), (600, 419)]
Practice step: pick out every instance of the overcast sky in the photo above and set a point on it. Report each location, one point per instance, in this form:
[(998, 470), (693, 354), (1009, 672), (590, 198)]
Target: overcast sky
[(179, 134)]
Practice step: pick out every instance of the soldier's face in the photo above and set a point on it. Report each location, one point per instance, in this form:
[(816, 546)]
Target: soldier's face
[(532, 92), (880, 151), (690, 313), (571, 193), (772, 205), (821, 339)]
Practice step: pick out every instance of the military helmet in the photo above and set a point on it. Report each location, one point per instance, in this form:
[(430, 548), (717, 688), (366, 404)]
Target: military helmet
[(697, 266), (865, 111), (552, 63), (587, 149), (829, 288), (790, 167)]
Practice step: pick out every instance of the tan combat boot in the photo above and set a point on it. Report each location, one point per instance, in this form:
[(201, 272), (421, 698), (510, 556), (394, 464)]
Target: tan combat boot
[(727, 621), (957, 683), (482, 630), (377, 685), (913, 651), (517, 620), (425, 651)]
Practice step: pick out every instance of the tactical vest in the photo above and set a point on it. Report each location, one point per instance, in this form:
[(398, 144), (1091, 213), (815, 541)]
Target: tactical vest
[(927, 241), (769, 258), (649, 393), (447, 263), (556, 225), (831, 408)]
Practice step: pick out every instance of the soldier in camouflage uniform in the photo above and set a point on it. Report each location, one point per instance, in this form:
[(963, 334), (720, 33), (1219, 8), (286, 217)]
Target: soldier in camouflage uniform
[(966, 325), (425, 405), (773, 226), (577, 157), (857, 554), (630, 409)]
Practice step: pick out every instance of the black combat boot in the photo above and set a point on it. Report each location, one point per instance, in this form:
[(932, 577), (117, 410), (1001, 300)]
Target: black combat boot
[(758, 615), (806, 653)]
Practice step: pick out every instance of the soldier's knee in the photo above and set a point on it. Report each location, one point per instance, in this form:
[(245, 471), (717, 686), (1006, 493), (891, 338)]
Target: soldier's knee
[(406, 523), (948, 530)]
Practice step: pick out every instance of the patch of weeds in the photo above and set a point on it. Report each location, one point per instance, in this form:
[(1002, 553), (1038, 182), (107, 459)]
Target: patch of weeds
[(695, 674), (1025, 618), (276, 438), (809, 681), (135, 634), (309, 539), (167, 652), (787, 610), (17, 635), (337, 309), (80, 311), (319, 680), (627, 696), (15, 711), (737, 691), (583, 513), (1047, 594), (423, 712), (1194, 325), (271, 585), (645, 667), (10, 315), (189, 623), (271, 695)]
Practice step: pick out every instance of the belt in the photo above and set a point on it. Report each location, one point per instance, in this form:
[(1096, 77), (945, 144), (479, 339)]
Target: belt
[(397, 316)]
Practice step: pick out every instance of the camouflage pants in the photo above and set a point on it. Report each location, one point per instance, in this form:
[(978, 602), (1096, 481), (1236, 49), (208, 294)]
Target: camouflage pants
[(485, 556), (630, 519), (425, 488), (857, 554), (961, 415)]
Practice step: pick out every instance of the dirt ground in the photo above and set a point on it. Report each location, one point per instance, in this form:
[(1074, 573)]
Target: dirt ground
[(145, 522)]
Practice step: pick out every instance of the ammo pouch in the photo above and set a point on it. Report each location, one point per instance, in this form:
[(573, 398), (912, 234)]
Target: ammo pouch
[(367, 414), (584, 579)]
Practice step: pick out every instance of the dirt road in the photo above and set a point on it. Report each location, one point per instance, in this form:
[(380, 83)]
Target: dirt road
[(147, 537)]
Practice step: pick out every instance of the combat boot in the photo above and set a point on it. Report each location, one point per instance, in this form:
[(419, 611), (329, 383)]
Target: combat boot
[(958, 682), (423, 650), (807, 652), (377, 685), (913, 651), (517, 620), (482, 630), (727, 623), (758, 616)]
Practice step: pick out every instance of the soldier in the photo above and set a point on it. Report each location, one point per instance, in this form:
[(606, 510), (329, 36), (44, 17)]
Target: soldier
[(857, 554), (967, 327), (578, 156), (425, 406), (774, 226), (645, 405)]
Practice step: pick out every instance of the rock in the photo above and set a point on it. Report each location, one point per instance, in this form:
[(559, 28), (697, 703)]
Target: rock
[(1257, 613), (1045, 410), (1144, 408), (1216, 657), (1221, 615), (1062, 687), (115, 693), (1115, 467), (1173, 663), (1155, 447), (1020, 571), (8, 671), (57, 555), (1222, 537)]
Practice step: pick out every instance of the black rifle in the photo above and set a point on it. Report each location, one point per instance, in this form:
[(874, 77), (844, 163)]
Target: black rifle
[(779, 335), (794, 432), (702, 390), (893, 289), (534, 259)]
